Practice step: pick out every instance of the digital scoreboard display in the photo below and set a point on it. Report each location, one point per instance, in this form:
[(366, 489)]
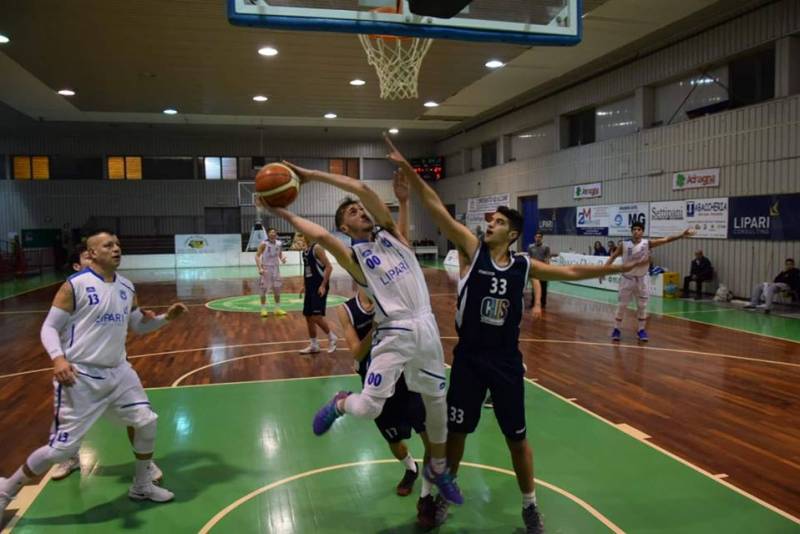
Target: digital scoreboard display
[(429, 168)]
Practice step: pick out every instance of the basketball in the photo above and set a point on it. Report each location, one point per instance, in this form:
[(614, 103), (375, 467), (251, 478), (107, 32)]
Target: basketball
[(277, 184)]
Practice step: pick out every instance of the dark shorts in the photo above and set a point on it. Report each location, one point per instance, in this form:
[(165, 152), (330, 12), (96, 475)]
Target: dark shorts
[(313, 304), (404, 411), (475, 373)]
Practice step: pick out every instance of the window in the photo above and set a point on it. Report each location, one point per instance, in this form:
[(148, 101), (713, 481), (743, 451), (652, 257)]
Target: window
[(346, 166), (489, 154), (216, 168), (581, 127), (616, 119), (124, 167), (168, 168), (533, 142), (753, 78), (27, 167), (69, 168), (693, 96)]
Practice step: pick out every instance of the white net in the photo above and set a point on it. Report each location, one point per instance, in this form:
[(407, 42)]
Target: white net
[(397, 62)]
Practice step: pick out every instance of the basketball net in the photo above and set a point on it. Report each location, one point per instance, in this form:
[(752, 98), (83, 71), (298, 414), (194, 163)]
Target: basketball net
[(397, 60)]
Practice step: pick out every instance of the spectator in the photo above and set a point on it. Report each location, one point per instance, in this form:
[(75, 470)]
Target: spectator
[(599, 249), (701, 271), (787, 280), (611, 247), (539, 251)]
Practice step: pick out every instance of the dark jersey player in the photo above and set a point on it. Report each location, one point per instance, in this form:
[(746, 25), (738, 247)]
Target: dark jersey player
[(487, 357), (317, 271), (404, 410)]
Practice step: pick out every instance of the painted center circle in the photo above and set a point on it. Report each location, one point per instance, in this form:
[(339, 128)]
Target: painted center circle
[(252, 303)]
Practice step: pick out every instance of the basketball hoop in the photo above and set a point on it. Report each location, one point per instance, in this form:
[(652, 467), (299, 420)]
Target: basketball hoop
[(397, 61)]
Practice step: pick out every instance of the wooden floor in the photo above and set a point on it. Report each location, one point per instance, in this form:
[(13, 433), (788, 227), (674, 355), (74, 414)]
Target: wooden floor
[(726, 401)]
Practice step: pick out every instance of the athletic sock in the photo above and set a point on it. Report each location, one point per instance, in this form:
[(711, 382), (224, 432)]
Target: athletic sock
[(617, 323), (314, 342), (438, 465), (529, 499), (409, 462), (16, 481), (141, 474), (642, 324), (426, 487)]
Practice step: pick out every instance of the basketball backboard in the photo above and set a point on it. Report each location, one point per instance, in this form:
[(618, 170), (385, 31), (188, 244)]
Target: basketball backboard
[(528, 22)]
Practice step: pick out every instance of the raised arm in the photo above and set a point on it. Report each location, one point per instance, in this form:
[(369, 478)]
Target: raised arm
[(465, 241), (546, 271), (400, 184), (669, 239), (315, 232), (359, 348), (372, 202)]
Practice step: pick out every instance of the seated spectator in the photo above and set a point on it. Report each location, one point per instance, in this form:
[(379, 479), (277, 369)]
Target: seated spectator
[(599, 249), (611, 247), (787, 280), (701, 271)]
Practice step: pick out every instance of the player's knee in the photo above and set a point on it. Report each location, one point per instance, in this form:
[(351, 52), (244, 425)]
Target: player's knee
[(144, 438), (364, 406), (44, 457), (435, 418)]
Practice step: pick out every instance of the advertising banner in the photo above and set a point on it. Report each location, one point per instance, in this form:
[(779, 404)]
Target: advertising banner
[(207, 250), (488, 204), (667, 218), (621, 217), (547, 221), (592, 220), (708, 217), (594, 190), (694, 179), (749, 217), (610, 282)]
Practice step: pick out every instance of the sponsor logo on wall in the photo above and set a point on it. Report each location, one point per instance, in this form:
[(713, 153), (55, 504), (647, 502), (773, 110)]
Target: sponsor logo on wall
[(594, 190), (694, 179), (592, 220), (621, 217), (775, 217)]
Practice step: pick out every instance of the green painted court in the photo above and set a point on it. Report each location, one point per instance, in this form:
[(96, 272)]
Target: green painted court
[(224, 443)]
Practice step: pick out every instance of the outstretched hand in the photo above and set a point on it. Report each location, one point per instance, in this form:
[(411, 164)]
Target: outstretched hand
[(394, 155), (629, 266), (400, 184), (301, 172), (689, 232)]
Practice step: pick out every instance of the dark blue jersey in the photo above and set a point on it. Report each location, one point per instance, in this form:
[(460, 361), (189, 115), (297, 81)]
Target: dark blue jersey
[(313, 270), (490, 303), (362, 321)]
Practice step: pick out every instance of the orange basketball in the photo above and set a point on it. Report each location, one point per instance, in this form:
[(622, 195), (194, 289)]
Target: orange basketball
[(277, 184)]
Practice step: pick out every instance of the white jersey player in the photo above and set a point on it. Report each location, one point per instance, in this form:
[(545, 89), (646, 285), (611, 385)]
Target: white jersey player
[(84, 334), (269, 256), (406, 337), (636, 283)]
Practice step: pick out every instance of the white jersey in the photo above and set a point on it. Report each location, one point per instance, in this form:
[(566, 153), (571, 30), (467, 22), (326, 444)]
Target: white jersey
[(272, 252), (636, 252), (394, 278), (95, 334)]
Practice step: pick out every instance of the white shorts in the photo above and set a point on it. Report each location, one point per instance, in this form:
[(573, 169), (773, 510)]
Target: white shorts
[(113, 391), (635, 286), (270, 278), (409, 346)]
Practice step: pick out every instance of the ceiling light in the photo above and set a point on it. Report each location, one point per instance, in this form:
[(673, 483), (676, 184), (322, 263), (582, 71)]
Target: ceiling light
[(3, 39), (431, 104), (495, 64), (268, 51), (260, 98), (66, 92), (170, 111), (357, 82), (330, 115), (394, 131)]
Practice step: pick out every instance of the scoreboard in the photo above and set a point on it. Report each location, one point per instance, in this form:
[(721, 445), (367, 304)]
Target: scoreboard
[(429, 168)]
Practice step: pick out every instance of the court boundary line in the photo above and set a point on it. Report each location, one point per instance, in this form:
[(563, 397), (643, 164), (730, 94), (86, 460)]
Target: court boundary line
[(672, 455), (28, 502), (219, 516)]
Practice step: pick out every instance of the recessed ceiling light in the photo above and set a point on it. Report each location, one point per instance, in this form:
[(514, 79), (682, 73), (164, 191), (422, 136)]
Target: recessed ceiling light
[(170, 111), (431, 104), (3, 39), (268, 51), (66, 92), (394, 131), (495, 64), (357, 82), (260, 98), (330, 115)]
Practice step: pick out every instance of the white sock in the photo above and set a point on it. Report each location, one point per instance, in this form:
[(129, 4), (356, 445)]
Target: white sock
[(332, 337), (529, 499), (409, 462), (642, 324), (141, 474), (15, 482), (438, 464), (314, 342), (426, 487)]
